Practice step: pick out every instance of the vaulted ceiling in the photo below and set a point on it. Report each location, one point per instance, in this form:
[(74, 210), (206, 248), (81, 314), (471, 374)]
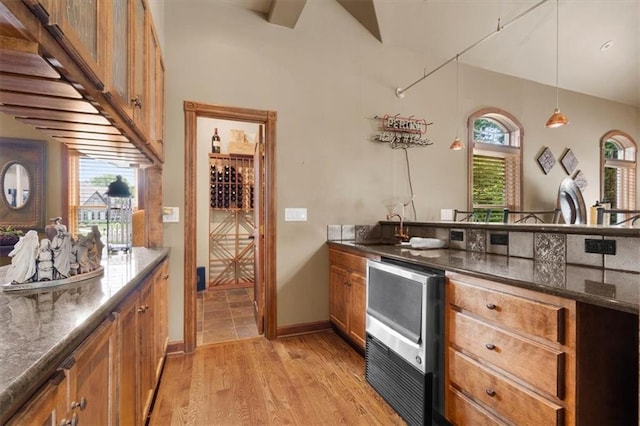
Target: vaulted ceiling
[(598, 44)]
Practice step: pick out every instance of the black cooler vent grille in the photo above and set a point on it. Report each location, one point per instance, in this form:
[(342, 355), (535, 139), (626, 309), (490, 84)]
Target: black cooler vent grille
[(406, 389)]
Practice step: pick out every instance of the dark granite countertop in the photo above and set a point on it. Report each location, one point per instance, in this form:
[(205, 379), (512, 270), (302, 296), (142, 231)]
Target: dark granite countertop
[(603, 287), (41, 328)]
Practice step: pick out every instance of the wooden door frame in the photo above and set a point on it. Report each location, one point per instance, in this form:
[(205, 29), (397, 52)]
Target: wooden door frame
[(193, 110)]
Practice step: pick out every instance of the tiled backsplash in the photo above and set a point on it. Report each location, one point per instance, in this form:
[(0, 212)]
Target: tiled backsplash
[(555, 248)]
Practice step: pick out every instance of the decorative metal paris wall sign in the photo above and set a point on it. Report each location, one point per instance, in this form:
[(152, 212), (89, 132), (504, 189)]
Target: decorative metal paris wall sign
[(401, 132)]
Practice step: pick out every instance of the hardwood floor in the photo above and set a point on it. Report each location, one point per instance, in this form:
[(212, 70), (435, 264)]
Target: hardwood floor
[(312, 379)]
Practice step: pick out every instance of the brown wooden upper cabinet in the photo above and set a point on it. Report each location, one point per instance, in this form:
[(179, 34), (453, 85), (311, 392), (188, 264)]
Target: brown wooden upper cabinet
[(79, 26), (126, 86), (115, 46), (156, 94)]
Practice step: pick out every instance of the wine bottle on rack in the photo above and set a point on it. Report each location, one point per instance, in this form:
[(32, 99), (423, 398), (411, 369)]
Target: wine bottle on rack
[(215, 142)]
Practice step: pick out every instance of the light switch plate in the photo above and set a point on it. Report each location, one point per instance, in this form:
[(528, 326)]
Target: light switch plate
[(295, 214), (170, 214)]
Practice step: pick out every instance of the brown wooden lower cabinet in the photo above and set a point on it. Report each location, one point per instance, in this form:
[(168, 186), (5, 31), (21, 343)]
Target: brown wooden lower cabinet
[(347, 294), (110, 379), (516, 356), (143, 334)]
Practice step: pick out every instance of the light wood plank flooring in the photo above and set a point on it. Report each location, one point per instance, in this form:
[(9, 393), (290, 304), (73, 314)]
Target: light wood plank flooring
[(313, 379)]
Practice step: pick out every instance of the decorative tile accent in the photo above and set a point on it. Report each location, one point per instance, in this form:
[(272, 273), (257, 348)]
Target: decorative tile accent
[(477, 240), (549, 273), (546, 160), (569, 161), (521, 244), (369, 232), (580, 180), (576, 253), (549, 247)]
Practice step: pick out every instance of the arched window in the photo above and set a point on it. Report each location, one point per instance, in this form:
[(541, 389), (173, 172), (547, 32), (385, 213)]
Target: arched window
[(495, 162), (618, 170)]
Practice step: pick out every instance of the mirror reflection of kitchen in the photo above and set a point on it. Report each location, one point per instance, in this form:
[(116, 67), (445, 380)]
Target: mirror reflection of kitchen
[(16, 185)]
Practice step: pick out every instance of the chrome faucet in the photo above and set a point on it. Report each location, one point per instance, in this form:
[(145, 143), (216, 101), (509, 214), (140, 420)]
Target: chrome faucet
[(399, 233)]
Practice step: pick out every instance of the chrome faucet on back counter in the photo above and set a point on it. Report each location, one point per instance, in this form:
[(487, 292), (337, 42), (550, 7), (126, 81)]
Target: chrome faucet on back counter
[(400, 233)]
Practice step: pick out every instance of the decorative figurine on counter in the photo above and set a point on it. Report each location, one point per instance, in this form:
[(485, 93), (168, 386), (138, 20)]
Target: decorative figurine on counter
[(61, 246), (55, 258), (23, 258), (45, 261)]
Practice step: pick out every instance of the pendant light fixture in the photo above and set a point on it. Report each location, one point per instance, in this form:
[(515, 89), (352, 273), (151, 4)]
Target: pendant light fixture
[(457, 144), (557, 119)]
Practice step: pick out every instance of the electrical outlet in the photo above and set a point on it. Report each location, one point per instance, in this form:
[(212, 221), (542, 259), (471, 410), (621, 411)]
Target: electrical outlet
[(600, 246), (456, 236), (499, 239)]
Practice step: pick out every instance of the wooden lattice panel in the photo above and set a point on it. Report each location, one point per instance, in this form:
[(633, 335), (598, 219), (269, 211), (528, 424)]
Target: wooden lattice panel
[(231, 249)]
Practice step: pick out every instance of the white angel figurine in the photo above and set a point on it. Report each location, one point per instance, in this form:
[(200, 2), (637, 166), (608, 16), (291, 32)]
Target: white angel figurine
[(23, 259)]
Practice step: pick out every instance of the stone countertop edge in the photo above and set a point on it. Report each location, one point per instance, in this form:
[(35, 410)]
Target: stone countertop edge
[(607, 231), (395, 252), (26, 384)]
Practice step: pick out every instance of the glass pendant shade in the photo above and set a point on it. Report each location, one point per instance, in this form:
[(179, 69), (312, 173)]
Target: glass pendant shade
[(558, 119), (457, 144)]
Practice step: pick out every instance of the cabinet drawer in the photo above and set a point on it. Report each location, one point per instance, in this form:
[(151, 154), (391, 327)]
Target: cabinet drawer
[(529, 316), (463, 411), (513, 402), (541, 366), (349, 261)]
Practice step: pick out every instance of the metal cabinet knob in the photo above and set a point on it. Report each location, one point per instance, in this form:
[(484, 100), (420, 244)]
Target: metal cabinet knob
[(136, 102), (490, 346), (491, 306), (490, 392), (81, 405)]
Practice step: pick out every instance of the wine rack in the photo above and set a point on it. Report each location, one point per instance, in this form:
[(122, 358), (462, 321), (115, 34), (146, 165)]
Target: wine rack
[(231, 221), (231, 182)]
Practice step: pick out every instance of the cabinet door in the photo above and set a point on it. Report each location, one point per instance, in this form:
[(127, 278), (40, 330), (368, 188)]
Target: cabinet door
[(357, 308), (47, 407), (80, 26), (128, 356), (156, 94), (146, 344), (339, 297), (91, 390), (161, 317), (119, 84), (139, 61)]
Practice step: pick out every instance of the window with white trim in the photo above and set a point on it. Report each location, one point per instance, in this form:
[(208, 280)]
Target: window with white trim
[(618, 170), (495, 162)]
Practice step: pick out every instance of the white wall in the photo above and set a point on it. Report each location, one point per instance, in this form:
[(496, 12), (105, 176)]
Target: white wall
[(327, 79)]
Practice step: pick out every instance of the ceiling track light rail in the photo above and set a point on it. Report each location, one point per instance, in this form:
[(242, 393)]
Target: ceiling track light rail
[(400, 91)]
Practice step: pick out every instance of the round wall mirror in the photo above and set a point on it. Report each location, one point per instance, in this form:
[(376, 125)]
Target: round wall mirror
[(16, 185)]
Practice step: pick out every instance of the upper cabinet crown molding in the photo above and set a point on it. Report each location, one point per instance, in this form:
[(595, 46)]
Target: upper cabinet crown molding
[(89, 58)]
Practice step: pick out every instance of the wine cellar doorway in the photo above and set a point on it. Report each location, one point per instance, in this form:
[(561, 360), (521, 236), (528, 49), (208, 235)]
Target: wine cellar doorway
[(201, 120), (231, 221)]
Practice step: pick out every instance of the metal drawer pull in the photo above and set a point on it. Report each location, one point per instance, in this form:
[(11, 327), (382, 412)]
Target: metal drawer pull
[(490, 346), (491, 306), (490, 392)]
